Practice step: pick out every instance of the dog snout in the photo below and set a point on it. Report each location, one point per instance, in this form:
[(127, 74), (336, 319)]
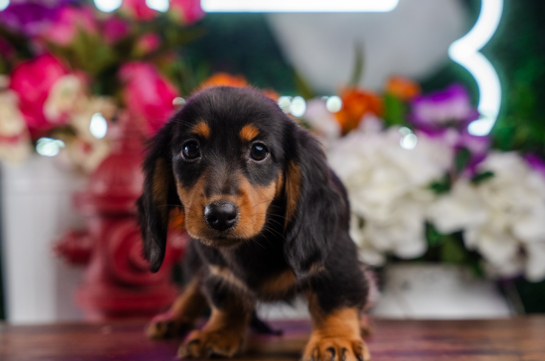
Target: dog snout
[(221, 215)]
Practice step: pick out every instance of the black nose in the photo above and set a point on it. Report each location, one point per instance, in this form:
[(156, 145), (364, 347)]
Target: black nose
[(221, 216)]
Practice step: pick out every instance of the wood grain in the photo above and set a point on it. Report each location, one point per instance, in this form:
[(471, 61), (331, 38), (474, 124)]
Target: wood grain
[(519, 339)]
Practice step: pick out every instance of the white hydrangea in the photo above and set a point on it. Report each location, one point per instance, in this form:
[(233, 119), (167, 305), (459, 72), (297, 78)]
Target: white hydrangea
[(503, 218), (388, 188)]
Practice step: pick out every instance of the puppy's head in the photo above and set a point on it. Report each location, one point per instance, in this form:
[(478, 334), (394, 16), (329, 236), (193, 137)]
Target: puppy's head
[(224, 158)]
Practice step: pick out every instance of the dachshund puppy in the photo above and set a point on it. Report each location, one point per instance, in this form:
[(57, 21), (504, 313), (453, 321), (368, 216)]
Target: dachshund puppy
[(267, 219)]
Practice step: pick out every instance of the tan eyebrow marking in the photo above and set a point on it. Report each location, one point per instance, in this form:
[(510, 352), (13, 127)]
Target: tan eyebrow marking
[(202, 129), (248, 132)]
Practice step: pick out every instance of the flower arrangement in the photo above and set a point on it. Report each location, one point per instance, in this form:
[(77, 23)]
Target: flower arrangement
[(422, 188), (68, 71)]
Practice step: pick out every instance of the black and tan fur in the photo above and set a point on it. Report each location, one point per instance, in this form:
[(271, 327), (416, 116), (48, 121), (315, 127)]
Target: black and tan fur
[(291, 235)]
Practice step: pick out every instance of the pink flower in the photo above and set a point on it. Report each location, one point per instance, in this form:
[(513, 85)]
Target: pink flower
[(115, 29), (32, 81), (186, 11), (147, 43), (68, 22), (148, 94), (138, 10)]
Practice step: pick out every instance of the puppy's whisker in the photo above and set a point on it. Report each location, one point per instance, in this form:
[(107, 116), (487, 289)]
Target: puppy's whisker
[(265, 201)]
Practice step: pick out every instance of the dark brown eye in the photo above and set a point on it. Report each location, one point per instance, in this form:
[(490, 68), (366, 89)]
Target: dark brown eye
[(191, 150), (259, 151)]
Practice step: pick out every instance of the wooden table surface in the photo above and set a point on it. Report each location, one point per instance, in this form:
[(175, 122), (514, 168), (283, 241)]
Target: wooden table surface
[(521, 339)]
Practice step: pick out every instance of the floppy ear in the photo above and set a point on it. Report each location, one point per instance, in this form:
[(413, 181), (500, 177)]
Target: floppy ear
[(313, 204), (158, 197)]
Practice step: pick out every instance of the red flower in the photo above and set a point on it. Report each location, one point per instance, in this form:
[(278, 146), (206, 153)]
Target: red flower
[(148, 94), (32, 80)]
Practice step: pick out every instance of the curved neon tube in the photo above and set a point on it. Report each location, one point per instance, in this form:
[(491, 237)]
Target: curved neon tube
[(465, 51)]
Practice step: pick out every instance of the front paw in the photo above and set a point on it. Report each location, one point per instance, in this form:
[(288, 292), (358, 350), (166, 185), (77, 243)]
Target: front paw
[(336, 349), (199, 344), (166, 325)]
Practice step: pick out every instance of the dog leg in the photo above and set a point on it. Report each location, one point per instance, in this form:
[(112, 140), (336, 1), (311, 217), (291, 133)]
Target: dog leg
[(181, 316), (224, 334), (336, 335)]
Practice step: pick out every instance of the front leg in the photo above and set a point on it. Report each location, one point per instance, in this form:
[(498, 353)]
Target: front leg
[(336, 336), (336, 298), (182, 315), (225, 332)]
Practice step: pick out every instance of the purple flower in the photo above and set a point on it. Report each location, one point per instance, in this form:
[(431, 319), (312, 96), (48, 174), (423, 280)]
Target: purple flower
[(30, 17), (449, 107), (536, 163)]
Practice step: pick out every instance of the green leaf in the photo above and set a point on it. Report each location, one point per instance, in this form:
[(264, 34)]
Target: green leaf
[(433, 236), (394, 110), (481, 177), (452, 251), (358, 65), (462, 159), (441, 186)]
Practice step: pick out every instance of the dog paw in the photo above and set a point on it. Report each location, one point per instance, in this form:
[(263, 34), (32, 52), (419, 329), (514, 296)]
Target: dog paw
[(200, 344), (336, 349), (166, 325)]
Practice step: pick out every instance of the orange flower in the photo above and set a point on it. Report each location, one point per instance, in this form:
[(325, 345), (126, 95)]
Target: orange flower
[(224, 79), (269, 93), (356, 104), (403, 88)]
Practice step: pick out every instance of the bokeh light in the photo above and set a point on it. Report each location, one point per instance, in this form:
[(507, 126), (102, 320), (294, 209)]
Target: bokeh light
[(49, 147), (107, 6), (298, 106), (334, 104), (159, 5), (98, 126)]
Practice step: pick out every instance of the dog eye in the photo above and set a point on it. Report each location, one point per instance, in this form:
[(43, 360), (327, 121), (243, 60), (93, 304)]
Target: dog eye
[(191, 150), (259, 151)]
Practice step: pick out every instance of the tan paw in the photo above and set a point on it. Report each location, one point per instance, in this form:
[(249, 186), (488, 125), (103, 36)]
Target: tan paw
[(336, 349), (167, 326), (200, 344)]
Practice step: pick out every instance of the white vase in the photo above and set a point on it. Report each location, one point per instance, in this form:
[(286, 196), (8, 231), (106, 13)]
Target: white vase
[(37, 210), (436, 291)]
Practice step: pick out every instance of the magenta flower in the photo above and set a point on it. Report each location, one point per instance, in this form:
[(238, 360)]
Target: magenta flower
[(148, 94), (115, 29), (68, 21), (186, 12), (31, 17), (148, 43), (450, 107), (137, 9), (32, 81)]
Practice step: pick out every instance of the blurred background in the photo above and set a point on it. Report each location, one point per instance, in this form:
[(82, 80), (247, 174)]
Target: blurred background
[(428, 110)]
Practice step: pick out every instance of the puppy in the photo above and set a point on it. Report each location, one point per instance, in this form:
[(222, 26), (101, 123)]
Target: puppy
[(268, 220)]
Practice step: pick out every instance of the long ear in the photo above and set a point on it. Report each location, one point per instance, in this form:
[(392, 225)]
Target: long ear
[(314, 203), (158, 197)]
